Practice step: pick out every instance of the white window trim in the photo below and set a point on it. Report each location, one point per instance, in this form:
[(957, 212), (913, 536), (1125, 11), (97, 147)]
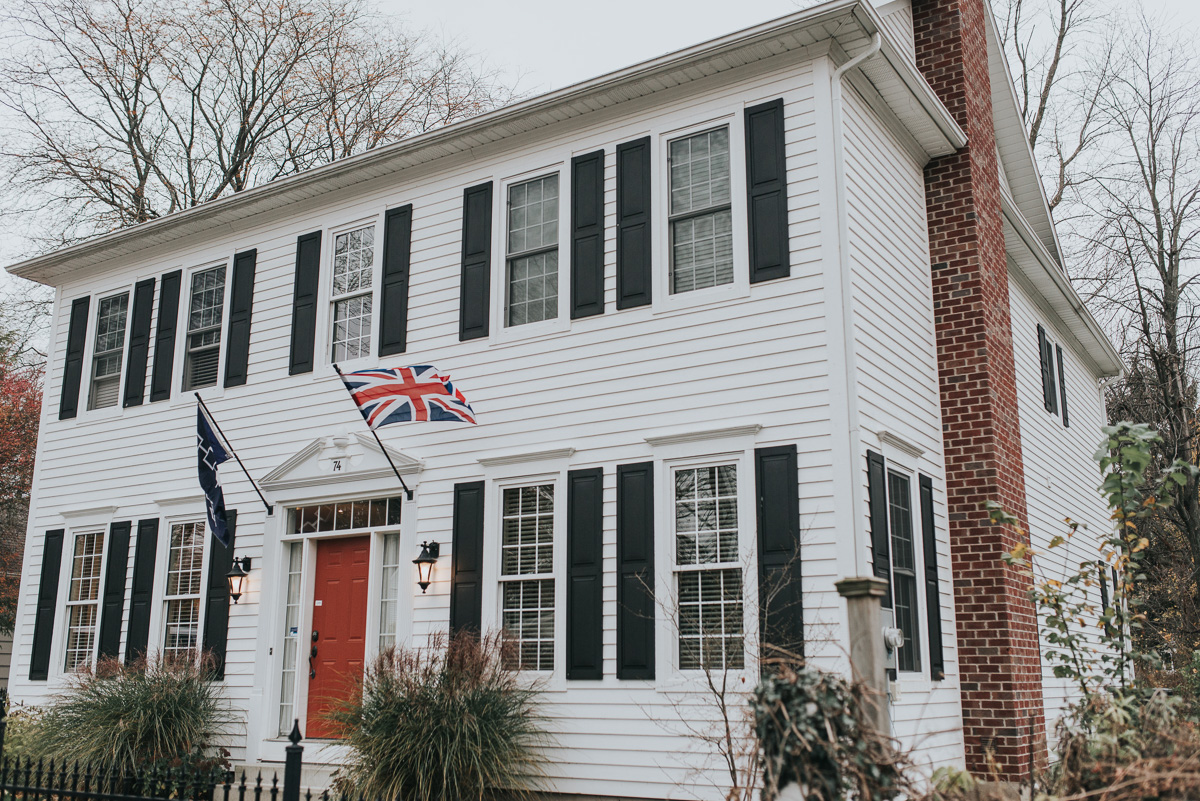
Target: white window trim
[(501, 332), (164, 565), (64, 593), (896, 460), (89, 354), (554, 680), (325, 294), (660, 185), (670, 676), (181, 395)]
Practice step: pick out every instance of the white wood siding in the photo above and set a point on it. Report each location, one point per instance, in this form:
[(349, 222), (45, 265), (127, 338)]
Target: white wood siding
[(1061, 478), (896, 356), (600, 387)]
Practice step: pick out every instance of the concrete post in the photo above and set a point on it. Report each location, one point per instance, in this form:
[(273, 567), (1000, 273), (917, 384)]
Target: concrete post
[(868, 661)]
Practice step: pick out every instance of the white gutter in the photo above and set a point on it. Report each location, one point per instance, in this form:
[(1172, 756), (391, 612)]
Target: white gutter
[(853, 437)]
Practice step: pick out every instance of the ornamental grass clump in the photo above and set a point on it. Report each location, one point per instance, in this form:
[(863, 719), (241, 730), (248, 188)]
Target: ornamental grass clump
[(153, 715), (441, 723)]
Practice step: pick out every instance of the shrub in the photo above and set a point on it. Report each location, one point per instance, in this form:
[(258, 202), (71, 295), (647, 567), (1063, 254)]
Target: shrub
[(441, 723), (813, 729), (152, 715)]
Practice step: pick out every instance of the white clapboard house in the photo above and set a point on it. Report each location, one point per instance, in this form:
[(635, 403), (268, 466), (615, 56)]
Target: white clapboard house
[(700, 307)]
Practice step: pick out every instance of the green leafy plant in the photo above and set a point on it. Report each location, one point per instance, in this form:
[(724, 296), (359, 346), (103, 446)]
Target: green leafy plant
[(813, 730), (154, 715), (1107, 657), (442, 723)]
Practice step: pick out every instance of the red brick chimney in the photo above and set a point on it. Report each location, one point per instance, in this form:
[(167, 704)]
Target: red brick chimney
[(998, 655)]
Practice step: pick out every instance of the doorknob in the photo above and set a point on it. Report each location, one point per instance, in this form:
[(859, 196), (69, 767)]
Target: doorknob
[(313, 651)]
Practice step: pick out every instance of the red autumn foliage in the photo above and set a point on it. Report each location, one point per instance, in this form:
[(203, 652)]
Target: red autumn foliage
[(20, 407)]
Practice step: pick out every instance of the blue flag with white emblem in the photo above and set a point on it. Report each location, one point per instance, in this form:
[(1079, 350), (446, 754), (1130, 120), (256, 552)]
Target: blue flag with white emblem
[(210, 454)]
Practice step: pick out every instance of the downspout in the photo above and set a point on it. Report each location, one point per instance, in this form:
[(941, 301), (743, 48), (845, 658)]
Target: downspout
[(853, 438)]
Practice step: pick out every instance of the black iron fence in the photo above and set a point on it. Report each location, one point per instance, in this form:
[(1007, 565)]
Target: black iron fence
[(42, 780)]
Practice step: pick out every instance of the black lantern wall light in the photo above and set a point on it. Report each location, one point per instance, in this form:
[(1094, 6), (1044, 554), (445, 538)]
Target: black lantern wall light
[(238, 577), (425, 562)]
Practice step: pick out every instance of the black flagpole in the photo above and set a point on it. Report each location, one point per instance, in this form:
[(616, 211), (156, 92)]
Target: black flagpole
[(408, 493), (213, 420)]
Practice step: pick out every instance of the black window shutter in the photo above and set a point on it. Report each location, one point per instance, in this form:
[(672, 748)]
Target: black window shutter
[(781, 600), (585, 573), (881, 552), (139, 343), (68, 403), (766, 185), (164, 336), (216, 603), (1103, 588), (241, 303), (633, 224), (112, 609), (304, 303), (587, 235), (1049, 392), (466, 563), (933, 595), (393, 292), (47, 601), (1062, 386), (635, 571), (475, 288), (137, 636)]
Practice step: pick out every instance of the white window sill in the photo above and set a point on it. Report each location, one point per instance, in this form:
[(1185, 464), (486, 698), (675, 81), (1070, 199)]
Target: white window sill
[(700, 298)]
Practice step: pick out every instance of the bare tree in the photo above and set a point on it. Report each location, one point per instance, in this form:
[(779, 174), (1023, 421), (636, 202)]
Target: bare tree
[(127, 110), (1060, 52), (1145, 245)]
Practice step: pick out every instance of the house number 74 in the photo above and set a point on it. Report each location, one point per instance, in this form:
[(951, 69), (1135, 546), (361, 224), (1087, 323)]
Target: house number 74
[(337, 465)]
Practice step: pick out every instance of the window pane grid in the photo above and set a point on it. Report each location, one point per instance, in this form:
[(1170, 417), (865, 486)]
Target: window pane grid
[(390, 601), (352, 294), (527, 550), (185, 576), (532, 294), (710, 620), (707, 574), (701, 219), (345, 515), (111, 316), (904, 571), (82, 599), (204, 328), (291, 638)]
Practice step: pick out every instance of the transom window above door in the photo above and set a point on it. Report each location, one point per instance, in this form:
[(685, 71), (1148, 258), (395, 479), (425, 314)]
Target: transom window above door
[(701, 216), (352, 292), (345, 515), (532, 275)]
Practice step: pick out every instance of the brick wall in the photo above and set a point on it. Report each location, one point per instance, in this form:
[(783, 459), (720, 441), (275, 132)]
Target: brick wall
[(999, 658)]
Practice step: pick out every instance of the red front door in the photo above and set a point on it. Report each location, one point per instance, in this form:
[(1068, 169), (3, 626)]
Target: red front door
[(339, 626)]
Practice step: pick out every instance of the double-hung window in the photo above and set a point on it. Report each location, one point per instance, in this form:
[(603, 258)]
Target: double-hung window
[(701, 217), (352, 294), (111, 315), (83, 599), (185, 577), (203, 345), (904, 570), (532, 271), (527, 575), (708, 573)]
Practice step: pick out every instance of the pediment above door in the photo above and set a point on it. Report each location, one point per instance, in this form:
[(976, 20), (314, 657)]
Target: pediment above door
[(332, 461)]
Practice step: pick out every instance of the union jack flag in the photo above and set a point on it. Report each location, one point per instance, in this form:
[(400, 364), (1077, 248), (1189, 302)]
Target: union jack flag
[(406, 394)]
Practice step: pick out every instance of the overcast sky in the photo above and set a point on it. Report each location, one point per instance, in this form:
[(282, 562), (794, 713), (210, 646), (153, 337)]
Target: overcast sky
[(555, 43)]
